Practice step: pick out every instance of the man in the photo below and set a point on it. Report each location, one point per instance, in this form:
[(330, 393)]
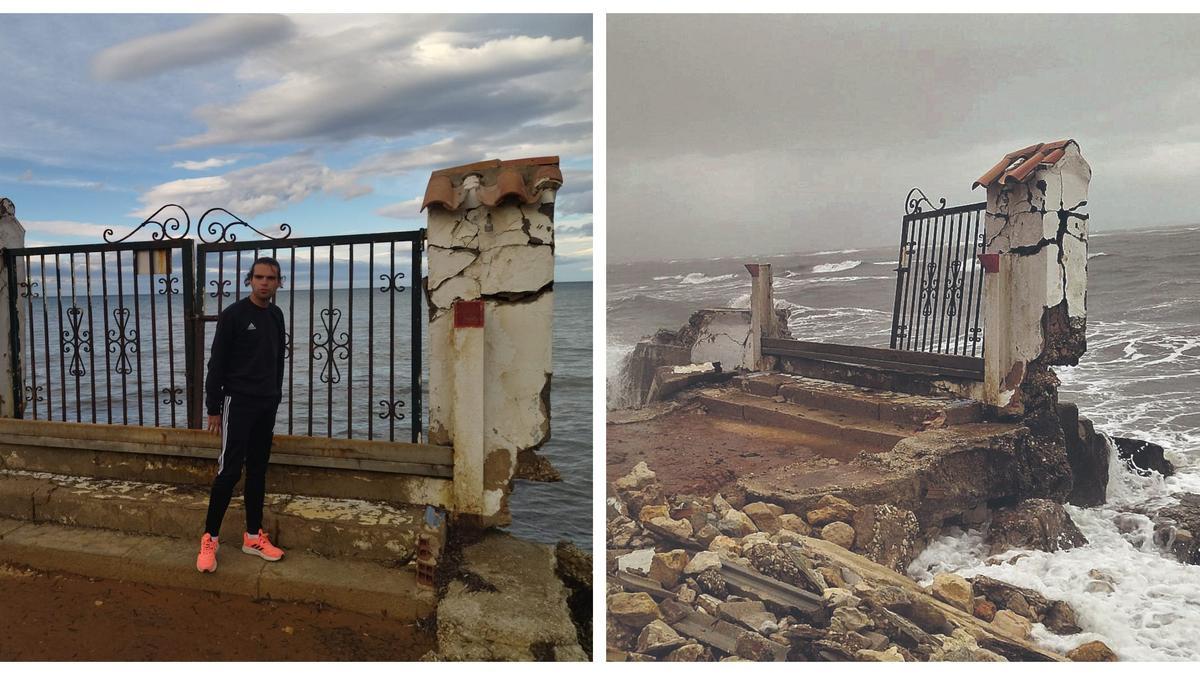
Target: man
[(244, 387)]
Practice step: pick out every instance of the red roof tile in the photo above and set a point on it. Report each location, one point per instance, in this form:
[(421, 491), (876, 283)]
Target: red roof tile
[(1018, 165), (522, 179)]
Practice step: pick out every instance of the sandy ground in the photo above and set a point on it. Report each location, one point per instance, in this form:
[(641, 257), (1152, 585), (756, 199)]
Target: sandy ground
[(58, 617), (695, 453)]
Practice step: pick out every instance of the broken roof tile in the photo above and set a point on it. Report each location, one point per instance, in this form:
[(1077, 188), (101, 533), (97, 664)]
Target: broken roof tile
[(1019, 165), (521, 179)]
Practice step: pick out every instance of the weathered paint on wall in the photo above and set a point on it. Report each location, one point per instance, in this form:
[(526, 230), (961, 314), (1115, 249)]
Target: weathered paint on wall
[(724, 336), (1034, 306), (489, 385), (12, 235)]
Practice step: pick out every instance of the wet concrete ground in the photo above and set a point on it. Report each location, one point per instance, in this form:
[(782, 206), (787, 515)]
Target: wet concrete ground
[(62, 617)]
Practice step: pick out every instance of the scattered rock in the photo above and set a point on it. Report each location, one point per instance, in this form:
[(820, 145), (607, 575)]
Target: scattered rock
[(750, 540), (734, 523), (1092, 651), (633, 609), (754, 647), (1039, 524), (657, 637), (849, 619), (1060, 619), (636, 479), (961, 646), (704, 560), (830, 509), (765, 516), (786, 536), (838, 533), (891, 654), (887, 535), (1099, 586), (725, 547), (954, 591), (712, 583), (1028, 603), (928, 616), (677, 529), (1012, 624), (1143, 457), (636, 561), (840, 597), (777, 564), (652, 511), (708, 603), (1178, 524), (666, 568), (749, 613), (686, 594), (689, 652), (794, 523), (984, 609), (706, 534)]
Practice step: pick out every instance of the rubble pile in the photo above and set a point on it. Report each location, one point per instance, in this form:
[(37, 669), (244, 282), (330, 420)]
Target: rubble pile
[(694, 578)]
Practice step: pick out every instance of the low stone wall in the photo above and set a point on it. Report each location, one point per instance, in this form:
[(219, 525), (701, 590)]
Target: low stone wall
[(405, 473)]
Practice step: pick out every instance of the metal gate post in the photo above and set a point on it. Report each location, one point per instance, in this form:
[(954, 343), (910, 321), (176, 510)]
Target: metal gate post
[(195, 395)]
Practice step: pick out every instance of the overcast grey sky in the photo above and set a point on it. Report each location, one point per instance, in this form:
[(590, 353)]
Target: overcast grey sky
[(741, 135)]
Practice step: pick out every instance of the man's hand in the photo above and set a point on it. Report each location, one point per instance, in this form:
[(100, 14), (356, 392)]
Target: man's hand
[(214, 424)]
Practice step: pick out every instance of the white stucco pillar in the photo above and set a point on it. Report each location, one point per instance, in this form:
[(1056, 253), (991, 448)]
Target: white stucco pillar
[(762, 311), (1036, 238), (12, 235), (490, 249)]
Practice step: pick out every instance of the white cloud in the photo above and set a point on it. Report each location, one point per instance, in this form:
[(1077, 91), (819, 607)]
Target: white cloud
[(210, 163), (409, 208), (256, 189), (382, 81), (211, 39), (67, 229)]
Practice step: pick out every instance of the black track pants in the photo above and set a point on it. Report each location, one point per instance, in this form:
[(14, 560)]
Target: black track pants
[(247, 426)]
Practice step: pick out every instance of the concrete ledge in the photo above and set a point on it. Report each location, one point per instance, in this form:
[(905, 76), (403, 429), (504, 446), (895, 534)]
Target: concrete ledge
[(756, 409), (164, 561), (57, 450), (328, 527)]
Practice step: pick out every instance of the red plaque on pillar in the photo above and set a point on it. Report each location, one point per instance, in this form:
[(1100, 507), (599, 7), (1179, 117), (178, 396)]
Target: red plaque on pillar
[(468, 314), (990, 262)]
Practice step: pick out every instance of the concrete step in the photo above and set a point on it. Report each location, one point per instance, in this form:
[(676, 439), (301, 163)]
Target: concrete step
[(855, 430), (340, 528), (357, 586), (883, 369), (335, 468), (908, 410)]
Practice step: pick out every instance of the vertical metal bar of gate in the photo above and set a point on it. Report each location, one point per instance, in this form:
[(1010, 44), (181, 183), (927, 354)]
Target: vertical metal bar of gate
[(415, 284), (14, 333)]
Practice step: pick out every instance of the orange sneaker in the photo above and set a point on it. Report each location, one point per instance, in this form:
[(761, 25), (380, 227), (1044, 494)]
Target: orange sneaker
[(262, 547), (207, 560)]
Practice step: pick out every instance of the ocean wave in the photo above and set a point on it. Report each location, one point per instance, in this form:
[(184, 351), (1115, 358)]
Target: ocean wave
[(700, 278), (836, 267), (1096, 255), (885, 262), (845, 250)]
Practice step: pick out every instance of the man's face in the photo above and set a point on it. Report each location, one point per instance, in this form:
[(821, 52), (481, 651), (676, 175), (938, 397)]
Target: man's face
[(264, 281)]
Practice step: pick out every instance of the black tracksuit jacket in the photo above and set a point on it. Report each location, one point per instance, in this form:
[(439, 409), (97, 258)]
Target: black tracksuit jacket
[(247, 355)]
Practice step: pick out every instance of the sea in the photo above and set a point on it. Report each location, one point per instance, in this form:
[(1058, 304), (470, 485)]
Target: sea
[(1140, 378), (353, 371)]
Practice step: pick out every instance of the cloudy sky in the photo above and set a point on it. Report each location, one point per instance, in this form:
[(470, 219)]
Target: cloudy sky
[(329, 123), (766, 134)]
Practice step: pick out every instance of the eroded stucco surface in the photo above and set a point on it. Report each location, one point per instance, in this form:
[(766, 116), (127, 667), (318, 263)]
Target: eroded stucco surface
[(489, 386), (1035, 305)]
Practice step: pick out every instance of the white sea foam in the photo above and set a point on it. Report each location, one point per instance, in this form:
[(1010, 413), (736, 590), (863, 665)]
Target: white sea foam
[(1153, 612), (885, 262), (836, 267), (1096, 255), (699, 278), (845, 250)]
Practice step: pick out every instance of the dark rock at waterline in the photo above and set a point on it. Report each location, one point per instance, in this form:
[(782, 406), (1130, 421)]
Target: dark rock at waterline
[(1178, 528), (1039, 524), (1143, 457), (1087, 453)]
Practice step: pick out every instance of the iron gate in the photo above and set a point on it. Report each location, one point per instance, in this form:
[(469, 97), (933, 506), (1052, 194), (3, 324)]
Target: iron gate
[(148, 298), (939, 282)]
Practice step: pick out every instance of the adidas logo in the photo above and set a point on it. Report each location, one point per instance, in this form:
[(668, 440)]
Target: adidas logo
[(251, 327)]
